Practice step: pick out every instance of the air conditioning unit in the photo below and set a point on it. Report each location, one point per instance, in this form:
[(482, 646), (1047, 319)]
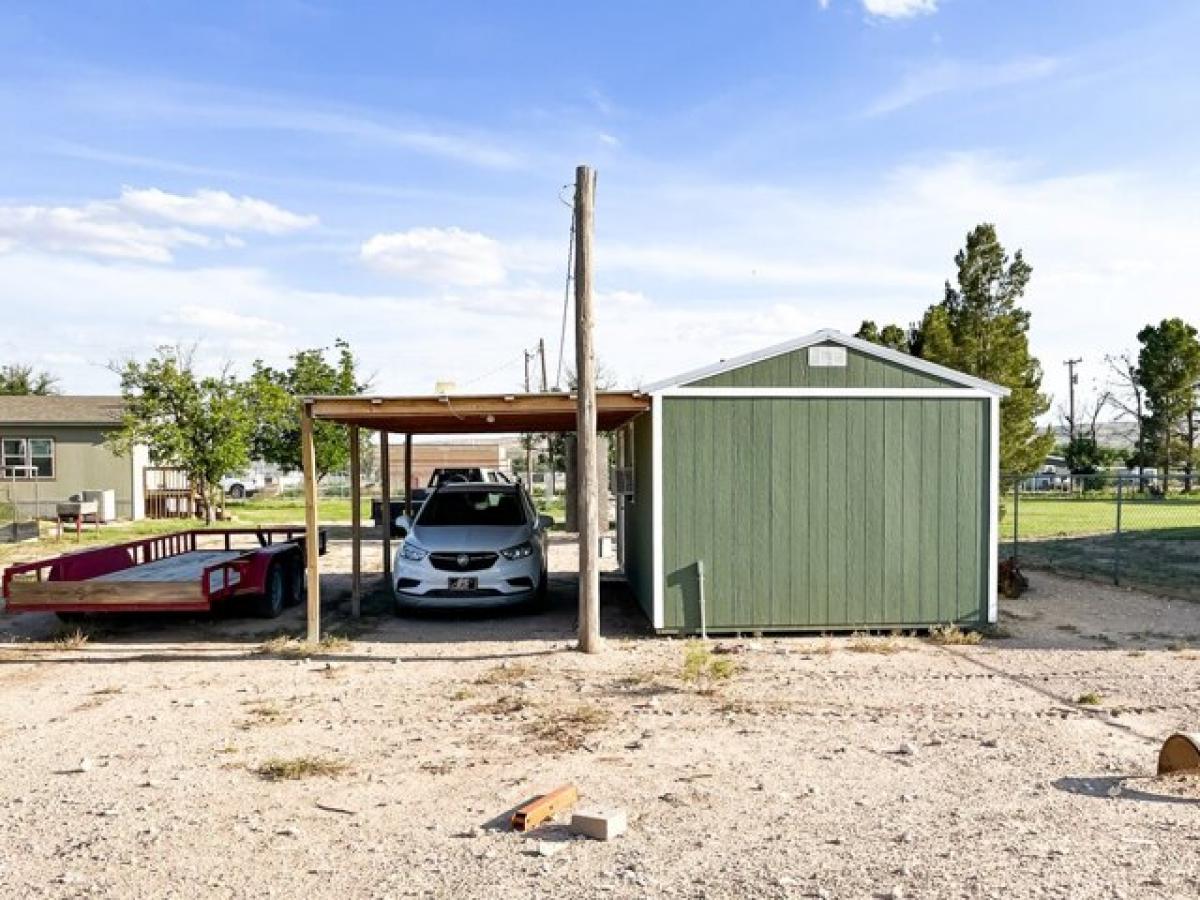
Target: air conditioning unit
[(623, 481), (106, 503)]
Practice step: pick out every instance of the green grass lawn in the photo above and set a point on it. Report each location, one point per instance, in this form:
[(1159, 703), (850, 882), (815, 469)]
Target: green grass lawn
[(1159, 548), (290, 511), (1046, 517)]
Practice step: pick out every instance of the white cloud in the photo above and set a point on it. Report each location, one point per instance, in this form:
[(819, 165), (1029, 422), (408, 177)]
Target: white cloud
[(445, 256), (899, 9), (118, 230), (101, 229), (224, 320), (214, 210), (951, 76), (1110, 251)]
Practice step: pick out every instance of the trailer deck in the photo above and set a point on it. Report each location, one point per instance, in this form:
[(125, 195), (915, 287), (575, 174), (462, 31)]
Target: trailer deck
[(186, 571)]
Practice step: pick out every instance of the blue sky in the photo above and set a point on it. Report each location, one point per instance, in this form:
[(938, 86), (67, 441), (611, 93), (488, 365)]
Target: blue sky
[(264, 176)]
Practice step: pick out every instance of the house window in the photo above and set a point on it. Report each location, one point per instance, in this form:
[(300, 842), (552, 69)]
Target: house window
[(27, 458)]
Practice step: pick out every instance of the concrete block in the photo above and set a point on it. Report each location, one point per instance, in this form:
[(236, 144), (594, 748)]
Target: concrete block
[(599, 824)]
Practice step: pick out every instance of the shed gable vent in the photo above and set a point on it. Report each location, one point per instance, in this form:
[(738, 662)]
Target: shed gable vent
[(827, 357)]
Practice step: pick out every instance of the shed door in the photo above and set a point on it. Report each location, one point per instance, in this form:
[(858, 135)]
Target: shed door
[(813, 512)]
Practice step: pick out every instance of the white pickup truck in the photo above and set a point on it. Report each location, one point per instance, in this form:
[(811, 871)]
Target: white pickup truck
[(242, 485)]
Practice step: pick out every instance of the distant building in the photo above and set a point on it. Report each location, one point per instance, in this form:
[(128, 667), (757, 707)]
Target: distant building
[(462, 454), (54, 447)]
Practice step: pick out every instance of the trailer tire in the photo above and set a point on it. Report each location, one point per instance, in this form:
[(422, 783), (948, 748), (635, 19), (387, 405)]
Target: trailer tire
[(297, 580), (270, 604)]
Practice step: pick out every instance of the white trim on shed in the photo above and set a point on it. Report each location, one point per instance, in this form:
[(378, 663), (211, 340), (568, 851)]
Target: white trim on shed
[(830, 335)]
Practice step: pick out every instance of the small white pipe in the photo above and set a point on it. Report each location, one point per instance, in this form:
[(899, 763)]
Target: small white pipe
[(703, 617)]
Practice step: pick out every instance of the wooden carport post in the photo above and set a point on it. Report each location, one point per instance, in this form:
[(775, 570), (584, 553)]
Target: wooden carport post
[(408, 476), (355, 524), (312, 549), (385, 503), (585, 420)]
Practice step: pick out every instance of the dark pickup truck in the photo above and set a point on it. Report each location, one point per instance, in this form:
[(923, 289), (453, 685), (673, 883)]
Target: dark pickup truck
[(445, 475)]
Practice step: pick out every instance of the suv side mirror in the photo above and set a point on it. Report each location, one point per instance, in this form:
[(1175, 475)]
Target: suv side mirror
[(545, 523), (403, 525)]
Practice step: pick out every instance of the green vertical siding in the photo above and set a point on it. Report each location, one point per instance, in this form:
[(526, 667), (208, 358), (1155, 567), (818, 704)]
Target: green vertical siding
[(639, 519), (792, 370), (824, 512)]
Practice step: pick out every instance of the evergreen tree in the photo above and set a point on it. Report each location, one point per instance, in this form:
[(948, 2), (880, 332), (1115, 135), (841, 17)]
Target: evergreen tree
[(891, 336), (978, 328), (1168, 370), (22, 380)]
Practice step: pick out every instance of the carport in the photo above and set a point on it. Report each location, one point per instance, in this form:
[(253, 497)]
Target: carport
[(442, 414)]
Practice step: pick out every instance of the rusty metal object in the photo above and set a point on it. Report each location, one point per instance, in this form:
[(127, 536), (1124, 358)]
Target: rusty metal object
[(1013, 582), (1180, 755), (542, 808)]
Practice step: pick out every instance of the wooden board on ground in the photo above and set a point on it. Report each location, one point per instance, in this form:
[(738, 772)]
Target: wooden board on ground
[(539, 810)]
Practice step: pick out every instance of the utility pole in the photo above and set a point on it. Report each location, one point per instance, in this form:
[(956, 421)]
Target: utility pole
[(585, 420), (1072, 380)]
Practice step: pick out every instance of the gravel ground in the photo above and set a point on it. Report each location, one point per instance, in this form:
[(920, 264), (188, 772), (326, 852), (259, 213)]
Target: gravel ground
[(832, 767)]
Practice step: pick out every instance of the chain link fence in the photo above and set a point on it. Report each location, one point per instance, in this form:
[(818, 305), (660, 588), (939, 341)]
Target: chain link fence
[(1139, 530)]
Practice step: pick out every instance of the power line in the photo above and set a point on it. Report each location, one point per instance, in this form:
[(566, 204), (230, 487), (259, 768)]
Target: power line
[(562, 335)]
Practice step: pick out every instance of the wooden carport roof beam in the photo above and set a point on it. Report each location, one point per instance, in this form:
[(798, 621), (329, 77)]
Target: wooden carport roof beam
[(478, 413)]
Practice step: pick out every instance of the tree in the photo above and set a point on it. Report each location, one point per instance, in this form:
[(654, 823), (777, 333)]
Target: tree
[(1129, 398), (891, 336), (978, 328), (1168, 371), (203, 425), (275, 397), (21, 380)]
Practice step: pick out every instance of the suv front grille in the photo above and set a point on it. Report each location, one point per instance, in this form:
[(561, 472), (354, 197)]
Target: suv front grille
[(463, 562)]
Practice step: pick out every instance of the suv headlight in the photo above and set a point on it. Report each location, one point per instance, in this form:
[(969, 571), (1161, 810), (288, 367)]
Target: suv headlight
[(412, 552), (521, 551)]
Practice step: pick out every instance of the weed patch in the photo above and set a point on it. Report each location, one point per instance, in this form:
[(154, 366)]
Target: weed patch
[(70, 639), (701, 666), (1091, 698), (568, 729), (865, 643), (290, 647), (506, 673), (501, 706), (298, 767), (952, 635), (265, 713)]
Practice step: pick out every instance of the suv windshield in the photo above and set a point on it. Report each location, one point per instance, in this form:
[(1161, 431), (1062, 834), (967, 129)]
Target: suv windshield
[(472, 507)]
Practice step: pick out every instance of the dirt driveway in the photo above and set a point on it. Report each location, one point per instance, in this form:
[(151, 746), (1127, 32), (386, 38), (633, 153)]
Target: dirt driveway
[(141, 763)]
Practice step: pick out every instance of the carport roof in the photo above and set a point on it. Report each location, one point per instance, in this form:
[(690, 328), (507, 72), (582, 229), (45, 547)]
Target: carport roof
[(476, 413)]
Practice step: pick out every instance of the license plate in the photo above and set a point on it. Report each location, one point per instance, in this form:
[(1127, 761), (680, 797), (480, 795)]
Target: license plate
[(463, 584)]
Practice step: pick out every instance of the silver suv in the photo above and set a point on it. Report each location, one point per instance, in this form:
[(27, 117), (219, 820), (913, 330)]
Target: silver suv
[(472, 545)]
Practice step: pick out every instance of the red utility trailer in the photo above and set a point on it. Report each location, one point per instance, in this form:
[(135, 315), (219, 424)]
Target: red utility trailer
[(186, 571)]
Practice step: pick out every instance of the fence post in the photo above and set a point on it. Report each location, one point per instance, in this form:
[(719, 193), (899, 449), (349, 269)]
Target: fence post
[(1016, 517), (1117, 538)]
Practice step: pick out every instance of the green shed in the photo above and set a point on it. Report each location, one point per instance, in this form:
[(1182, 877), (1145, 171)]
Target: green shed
[(826, 483)]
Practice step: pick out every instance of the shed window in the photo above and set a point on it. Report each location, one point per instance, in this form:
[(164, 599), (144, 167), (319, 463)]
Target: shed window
[(27, 458)]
